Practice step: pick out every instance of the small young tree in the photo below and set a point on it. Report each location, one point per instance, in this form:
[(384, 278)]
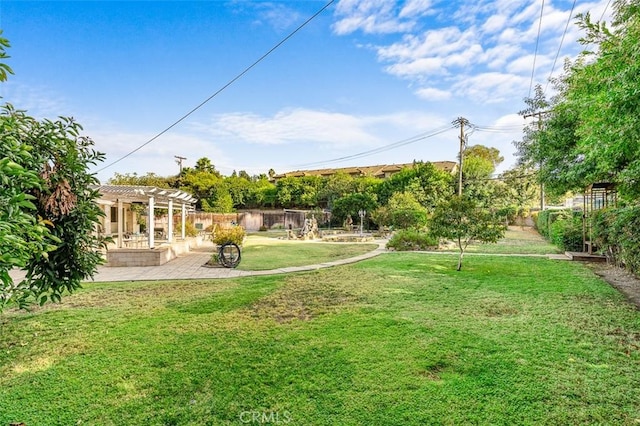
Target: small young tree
[(462, 221)]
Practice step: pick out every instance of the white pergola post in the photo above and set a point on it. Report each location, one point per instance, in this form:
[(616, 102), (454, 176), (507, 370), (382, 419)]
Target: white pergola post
[(170, 227), (107, 219), (184, 221), (120, 223), (151, 223)]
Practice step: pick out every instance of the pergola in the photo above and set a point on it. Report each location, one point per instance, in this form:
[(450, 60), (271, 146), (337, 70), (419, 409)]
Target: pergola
[(118, 196), (597, 196)]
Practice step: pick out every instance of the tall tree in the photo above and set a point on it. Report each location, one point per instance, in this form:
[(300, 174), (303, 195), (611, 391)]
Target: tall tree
[(427, 184), (590, 130)]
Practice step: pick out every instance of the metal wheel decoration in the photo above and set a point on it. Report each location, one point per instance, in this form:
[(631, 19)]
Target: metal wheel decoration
[(229, 255)]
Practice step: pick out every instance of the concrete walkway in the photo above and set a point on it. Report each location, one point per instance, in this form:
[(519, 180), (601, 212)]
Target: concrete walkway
[(191, 266)]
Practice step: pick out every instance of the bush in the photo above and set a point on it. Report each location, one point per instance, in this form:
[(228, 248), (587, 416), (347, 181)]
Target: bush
[(406, 240), (189, 228), (561, 227), (234, 235), (566, 232), (614, 232)]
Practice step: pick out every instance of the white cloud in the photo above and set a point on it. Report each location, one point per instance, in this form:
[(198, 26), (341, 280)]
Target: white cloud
[(524, 64), (413, 8), (292, 126), (156, 157), (433, 94), (481, 49), (494, 23), (375, 16), (418, 67), (493, 87), (38, 101)]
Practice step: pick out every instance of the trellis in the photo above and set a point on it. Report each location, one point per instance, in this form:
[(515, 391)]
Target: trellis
[(597, 196)]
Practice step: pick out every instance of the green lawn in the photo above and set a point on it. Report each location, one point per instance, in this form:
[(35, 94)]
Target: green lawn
[(401, 339), (260, 254)]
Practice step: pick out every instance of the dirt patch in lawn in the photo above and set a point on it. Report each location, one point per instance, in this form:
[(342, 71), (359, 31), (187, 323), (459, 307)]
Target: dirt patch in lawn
[(627, 283)]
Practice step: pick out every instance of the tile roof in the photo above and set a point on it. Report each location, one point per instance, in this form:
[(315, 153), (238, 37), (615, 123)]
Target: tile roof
[(376, 171)]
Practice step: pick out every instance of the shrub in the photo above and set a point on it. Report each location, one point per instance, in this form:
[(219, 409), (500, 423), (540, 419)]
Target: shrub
[(561, 227), (614, 232), (189, 228), (234, 235), (566, 232), (406, 240)]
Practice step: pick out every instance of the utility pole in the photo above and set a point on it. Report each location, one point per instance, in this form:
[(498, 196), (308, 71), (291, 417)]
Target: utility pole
[(179, 160), (461, 122), (539, 115)]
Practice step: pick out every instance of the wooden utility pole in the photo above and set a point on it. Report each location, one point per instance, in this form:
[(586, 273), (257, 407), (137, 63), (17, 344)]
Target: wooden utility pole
[(539, 115), (179, 160), (461, 121)]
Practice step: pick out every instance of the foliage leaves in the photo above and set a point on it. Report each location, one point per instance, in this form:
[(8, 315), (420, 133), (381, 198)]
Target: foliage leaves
[(589, 132), (462, 221), (47, 209)]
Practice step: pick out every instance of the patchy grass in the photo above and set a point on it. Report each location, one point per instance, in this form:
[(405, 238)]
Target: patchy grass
[(260, 254), (399, 339), (517, 240)]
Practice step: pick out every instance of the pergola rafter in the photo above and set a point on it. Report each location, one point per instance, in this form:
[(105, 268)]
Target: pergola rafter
[(150, 196)]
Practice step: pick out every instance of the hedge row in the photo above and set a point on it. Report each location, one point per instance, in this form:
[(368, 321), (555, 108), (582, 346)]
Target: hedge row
[(616, 233), (561, 227)]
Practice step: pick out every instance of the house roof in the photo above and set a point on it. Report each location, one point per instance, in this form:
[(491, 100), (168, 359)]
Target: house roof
[(132, 193), (381, 170)]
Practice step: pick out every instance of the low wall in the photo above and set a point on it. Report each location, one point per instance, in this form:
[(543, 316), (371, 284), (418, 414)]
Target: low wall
[(140, 257), (150, 257)]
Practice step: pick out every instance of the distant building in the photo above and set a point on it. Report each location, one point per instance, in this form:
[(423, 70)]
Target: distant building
[(380, 171)]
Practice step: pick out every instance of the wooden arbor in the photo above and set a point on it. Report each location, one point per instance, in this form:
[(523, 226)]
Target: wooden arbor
[(596, 197)]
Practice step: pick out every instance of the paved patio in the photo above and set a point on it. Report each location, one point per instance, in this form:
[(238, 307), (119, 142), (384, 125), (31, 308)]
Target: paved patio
[(191, 266)]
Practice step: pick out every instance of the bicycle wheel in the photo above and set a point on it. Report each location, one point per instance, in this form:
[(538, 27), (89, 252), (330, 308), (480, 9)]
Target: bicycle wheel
[(229, 255)]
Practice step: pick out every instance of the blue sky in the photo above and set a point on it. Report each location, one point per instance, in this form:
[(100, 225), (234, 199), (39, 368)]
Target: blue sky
[(359, 77)]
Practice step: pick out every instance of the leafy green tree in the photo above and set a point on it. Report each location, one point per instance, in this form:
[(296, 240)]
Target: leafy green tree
[(351, 204), (205, 165), (588, 133), (59, 249), (150, 179), (221, 201), (519, 190), (427, 184), (239, 189), (463, 221), (48, 213), (402, 211), (478, 167), (23, 236), (335, 187), (202, 184), (262, 193), (302, 192)]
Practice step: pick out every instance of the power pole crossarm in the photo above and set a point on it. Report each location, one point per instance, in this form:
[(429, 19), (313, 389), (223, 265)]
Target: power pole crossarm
[(179, 160)]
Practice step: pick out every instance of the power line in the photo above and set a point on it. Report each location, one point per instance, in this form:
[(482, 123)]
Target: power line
[(497, 129), (535, 54), (566, 28), (233, 80), (380, 149)]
